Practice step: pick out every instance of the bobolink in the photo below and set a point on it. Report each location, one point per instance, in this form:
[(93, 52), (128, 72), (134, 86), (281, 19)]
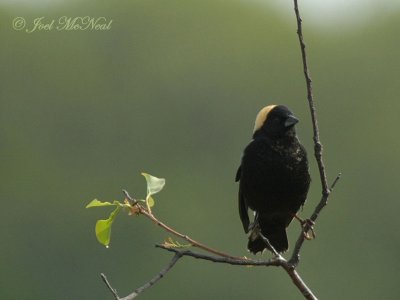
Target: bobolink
[(274, 178)]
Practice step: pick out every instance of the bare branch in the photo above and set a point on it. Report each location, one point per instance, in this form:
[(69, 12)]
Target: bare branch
[(310, 97), (151, 216), (112, 290), (154, 280), (317, 143), (294, 260), (324, 200), (277, 261), (303, 288)]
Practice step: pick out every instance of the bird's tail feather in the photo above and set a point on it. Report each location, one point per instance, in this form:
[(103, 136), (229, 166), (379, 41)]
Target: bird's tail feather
[(275, 233)]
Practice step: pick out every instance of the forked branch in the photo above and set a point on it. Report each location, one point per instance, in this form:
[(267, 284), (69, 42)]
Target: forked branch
[(220, 257)]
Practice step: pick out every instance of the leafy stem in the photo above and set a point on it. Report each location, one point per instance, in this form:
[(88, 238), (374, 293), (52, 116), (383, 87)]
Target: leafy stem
[(137, 208)]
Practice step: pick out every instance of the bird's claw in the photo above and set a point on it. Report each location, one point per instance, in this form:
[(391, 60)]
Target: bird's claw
[(308, 227)]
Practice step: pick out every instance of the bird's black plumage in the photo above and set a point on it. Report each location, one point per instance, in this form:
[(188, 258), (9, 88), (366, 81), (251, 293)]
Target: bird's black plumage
[(274, 178)]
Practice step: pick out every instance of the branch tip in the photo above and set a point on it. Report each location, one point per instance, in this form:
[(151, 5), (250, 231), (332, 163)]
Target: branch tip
[(107, 283)]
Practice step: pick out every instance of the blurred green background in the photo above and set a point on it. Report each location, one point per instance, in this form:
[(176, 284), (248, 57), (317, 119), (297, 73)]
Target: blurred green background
[(173, 89)]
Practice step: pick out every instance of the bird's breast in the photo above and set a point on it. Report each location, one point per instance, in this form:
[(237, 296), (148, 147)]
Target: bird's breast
[(273, 172)]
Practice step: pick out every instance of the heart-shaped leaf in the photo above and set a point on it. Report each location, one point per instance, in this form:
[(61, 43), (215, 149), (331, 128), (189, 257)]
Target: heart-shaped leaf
[(103, 228)]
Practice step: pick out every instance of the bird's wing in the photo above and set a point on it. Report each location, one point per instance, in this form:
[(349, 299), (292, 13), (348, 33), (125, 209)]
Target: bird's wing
[(242, 205), (238, 173)]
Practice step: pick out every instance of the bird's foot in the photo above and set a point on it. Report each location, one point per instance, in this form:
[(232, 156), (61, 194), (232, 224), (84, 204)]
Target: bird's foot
[(308, 227)]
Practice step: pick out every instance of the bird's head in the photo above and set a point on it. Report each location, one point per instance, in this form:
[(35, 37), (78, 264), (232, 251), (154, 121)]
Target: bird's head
[(275, 121)]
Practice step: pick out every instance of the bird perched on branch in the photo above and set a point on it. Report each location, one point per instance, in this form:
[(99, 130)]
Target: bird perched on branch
[(274, 178)]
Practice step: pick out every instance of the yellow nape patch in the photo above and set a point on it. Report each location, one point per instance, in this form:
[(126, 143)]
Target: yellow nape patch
[(262, 117)]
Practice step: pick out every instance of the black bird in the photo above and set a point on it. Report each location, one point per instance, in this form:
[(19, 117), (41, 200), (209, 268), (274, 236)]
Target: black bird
[(274, 178)]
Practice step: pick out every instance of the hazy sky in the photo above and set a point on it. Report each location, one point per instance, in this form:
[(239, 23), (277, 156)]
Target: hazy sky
[(330, 12), (322, 12)]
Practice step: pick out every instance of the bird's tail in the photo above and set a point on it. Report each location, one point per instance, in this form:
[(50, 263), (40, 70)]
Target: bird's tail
[(273, 231)]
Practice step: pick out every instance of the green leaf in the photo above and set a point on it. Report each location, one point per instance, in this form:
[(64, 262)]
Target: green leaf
[(98, 203), (150, 201), (154, 184), (103, 228)]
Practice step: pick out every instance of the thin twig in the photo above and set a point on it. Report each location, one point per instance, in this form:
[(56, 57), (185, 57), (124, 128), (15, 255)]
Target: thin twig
[(193, 242), (294, 260), (112, 290), (154, 280), (310, 97), (324, 200), (189, 239), (277, 261)]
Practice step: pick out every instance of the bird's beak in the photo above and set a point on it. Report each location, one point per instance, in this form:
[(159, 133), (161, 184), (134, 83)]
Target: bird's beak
[(291, 120)]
